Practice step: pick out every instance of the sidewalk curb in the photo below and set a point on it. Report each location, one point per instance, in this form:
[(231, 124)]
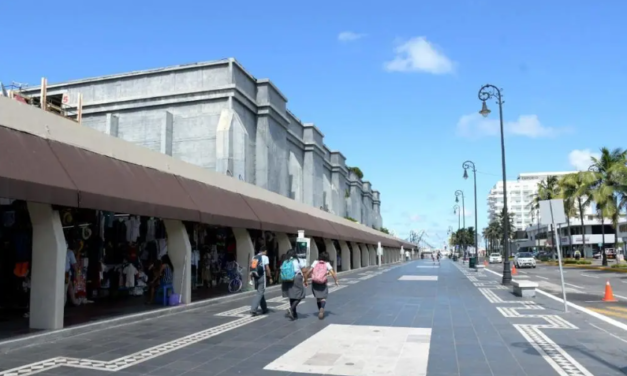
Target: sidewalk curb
[(47, 336)]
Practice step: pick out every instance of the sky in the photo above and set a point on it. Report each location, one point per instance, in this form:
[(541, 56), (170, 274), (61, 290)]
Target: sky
[(393, 85)]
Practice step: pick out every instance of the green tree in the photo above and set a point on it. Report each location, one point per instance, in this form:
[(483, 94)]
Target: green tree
[(607, 174), (574, 189)]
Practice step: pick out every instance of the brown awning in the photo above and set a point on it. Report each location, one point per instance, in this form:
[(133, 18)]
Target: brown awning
[(220, 207), (272, 216), (109, 184), (30, 171)]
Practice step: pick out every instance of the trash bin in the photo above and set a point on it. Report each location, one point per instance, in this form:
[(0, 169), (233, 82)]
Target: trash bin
[(454, 257), (422, 255), (472, 261)]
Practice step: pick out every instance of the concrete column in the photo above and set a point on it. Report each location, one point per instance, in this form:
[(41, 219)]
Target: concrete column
[(180, 252), (356, 262), (328, 244), (245, 250), (345, 254), (313, 249), (284, 243), (112, 125), (47, 294), (372, 254), (365, 258), (167, 130)]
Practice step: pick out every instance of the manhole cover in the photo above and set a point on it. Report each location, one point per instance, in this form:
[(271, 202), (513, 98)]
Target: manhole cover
[(350, 364)]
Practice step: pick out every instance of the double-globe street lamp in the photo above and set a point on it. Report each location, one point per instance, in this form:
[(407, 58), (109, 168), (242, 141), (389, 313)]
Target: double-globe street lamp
[(488, 92), (471, 165)]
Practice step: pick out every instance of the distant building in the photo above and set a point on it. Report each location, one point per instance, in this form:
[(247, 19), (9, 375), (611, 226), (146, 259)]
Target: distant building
[(520, 194)]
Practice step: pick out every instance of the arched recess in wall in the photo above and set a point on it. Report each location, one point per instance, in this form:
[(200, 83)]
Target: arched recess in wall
[(231, 145), (295, 186)]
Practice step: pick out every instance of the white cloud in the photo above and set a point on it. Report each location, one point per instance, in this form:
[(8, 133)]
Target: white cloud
[(581, 159), (349, 36), (476, 126), (419, 55)]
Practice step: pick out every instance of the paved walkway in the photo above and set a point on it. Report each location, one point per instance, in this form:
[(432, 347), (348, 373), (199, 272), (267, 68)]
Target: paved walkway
[(413, 319)]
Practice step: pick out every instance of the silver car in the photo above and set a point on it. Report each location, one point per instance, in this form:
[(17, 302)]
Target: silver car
[(524, 260)]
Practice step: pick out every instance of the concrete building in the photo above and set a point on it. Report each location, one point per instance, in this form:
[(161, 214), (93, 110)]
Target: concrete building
[(218, 116), (520, 194)]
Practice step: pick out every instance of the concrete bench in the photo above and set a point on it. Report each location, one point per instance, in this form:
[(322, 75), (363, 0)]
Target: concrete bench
[(524, 289), (479, 268)]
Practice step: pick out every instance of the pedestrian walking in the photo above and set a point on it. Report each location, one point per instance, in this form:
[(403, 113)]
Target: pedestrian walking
[(259, 270), (293, 282), (433, 258), (320, 270), (439, 257)]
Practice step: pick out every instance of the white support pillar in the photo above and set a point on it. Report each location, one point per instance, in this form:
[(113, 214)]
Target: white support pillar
[(244, 250), (284, 243), (328, 244), (180, 252), (313, 249), (47, 294), (372, 253), (356, 256), (365, 258), (345, 254)]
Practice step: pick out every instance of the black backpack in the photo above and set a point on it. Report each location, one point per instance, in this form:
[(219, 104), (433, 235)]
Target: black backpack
[(256, 266)]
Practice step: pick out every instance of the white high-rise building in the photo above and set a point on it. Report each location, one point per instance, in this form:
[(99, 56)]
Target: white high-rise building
[(520, 194)]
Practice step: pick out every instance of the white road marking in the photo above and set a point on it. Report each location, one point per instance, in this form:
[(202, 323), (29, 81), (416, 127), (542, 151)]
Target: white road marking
[(589, 276), (596, 315), (619, 296), (570, 284), (356, 350), (539, 276), (613, 335)]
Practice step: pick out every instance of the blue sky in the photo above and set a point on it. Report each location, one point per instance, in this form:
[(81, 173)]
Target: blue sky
[(392, 84)]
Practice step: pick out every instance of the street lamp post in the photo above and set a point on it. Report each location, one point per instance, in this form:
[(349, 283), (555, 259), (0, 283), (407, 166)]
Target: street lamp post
[(459, 217), (485, 93), (471, 165), (458, 193), (459, 220)]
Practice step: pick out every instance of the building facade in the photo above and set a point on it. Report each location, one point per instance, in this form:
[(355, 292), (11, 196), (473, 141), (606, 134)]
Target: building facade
[(218, 116), (520, 195)]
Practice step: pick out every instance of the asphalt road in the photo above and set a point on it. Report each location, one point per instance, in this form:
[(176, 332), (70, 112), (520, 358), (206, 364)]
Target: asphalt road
[(583, 287)]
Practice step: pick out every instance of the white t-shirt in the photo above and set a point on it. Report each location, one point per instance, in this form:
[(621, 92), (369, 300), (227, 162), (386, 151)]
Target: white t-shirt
[(129, 275), (298, 265)]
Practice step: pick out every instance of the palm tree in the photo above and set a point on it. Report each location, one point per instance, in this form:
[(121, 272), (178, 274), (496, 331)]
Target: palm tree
[(574, 187), (606, 175)]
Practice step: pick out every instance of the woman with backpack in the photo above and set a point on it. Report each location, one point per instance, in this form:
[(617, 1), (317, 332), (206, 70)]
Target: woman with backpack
[(293, 282), (320, 269)]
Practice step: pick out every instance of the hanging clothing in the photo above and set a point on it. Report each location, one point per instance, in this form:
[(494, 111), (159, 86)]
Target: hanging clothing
[(162, 247), (150, 230), (195, 258), (132, 229), (129, 272)]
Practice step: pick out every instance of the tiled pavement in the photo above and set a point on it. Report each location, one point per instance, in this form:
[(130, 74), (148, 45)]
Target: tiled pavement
[(378, 323)]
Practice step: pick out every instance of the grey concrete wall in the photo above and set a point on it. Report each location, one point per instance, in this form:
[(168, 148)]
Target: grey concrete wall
[(218, 116)]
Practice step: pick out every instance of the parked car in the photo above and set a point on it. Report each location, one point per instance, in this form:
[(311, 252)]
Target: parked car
[(524, 260), (496, 258)]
